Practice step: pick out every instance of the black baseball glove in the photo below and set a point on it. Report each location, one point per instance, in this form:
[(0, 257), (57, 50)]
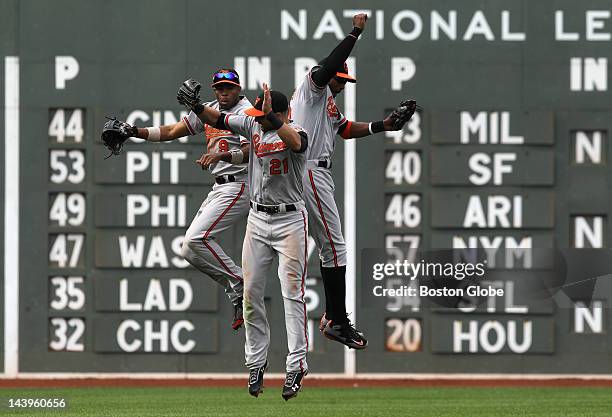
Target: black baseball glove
[(189, 93), (115, 133), (403, 113)]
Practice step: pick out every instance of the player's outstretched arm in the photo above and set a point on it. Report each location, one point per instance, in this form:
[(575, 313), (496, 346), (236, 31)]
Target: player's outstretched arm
[(155, 134), (395, 121), (163, 133), (340, 53)]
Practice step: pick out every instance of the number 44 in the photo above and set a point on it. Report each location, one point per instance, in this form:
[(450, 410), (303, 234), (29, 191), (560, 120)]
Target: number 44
[(60, 130)]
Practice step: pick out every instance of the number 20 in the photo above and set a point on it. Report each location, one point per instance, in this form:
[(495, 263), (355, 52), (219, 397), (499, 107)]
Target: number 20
[(275, 166), (404, 335)]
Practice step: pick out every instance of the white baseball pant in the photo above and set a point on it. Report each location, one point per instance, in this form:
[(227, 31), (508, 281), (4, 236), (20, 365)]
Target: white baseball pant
[(324, 219), (224, 205), (267, 236)]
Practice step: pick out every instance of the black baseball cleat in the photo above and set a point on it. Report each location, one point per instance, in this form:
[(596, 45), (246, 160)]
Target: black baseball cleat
[(293, 383), (256, 380), (238, 319), (345, 334)]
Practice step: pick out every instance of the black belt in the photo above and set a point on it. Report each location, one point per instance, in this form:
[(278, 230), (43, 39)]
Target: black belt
[(224, 179), (272, 209), (324, 164)]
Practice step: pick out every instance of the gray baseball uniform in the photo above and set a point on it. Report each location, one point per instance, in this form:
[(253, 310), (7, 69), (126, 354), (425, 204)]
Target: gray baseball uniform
[(224, 205), (315, 109), (275, 178)]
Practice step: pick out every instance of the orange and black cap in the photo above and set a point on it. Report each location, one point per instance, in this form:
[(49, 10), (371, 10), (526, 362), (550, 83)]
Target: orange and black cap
[(225, 75), (342, 72), (280, 104)]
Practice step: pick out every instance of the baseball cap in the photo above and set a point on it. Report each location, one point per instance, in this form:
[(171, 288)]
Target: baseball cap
[(225, 75), (342, 72), (280, 104)]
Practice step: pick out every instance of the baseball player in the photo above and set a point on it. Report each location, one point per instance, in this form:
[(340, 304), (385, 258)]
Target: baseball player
[(228, 201), (313, 106), (277, 226)]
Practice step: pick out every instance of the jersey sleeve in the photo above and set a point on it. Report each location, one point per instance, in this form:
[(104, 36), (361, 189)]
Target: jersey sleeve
[(241, 124), (308, 90), (245, 104), (193, 123)]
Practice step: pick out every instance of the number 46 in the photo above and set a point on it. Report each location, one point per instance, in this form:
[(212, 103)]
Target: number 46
[(403, 210)]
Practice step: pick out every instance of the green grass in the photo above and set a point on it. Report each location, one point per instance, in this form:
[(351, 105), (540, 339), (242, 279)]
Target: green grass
[(354, 402)]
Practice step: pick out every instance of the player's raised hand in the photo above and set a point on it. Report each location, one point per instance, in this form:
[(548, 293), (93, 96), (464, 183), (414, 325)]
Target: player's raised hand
[(266, 107), (189, 93), (359, 20)]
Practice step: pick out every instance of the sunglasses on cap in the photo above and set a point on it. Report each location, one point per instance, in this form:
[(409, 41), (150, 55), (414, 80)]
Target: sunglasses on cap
[(219, 76)]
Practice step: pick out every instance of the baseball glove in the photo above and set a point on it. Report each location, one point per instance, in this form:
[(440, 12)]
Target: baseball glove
[(189, 93), (403, 113), (115, 133)]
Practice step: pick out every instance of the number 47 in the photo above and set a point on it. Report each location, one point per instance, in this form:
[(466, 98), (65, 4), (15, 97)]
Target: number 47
[(59, 254)]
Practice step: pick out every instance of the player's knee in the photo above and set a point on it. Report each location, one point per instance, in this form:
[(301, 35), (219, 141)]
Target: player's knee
[(334, 257), (187, 250), (193, 244), (196, 239)]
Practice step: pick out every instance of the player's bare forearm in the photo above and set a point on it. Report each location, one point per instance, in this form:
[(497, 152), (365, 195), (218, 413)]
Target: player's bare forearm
[(163, 133), (357, 130)]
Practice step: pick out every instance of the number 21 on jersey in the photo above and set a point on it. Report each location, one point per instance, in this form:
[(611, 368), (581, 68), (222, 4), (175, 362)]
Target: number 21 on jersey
[(275, 166)]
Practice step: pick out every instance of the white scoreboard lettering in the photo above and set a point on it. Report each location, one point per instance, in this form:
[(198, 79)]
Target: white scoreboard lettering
[(501, 212), (155, 336), (178, 298), (492, 336), (173, 210), (490, 128), (589, 317), (151, 253), (67, 214), (138, 163)]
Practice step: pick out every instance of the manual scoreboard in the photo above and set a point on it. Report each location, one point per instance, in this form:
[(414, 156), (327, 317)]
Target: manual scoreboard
[(510, 151)]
